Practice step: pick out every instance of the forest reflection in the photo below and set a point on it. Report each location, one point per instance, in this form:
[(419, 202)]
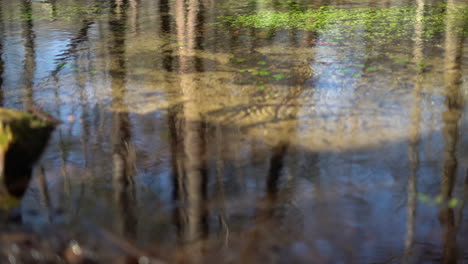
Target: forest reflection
[(257, 145)]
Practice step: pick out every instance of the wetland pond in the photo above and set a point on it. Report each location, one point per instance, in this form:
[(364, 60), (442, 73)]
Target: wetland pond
[(242, 131)]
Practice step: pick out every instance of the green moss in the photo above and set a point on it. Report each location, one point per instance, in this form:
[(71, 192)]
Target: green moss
[(5, 137), (16, 119), (23, 132), (23, 136)]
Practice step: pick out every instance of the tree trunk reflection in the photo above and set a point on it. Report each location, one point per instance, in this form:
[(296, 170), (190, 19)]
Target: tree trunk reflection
[(29, 64), (414, 136), (44, 191), (451, 118), (270, 208), (1, 55), (190, 175), (122, 155), (134, 15)]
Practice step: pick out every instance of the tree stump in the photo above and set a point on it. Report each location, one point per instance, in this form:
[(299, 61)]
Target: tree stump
[(23, 137)]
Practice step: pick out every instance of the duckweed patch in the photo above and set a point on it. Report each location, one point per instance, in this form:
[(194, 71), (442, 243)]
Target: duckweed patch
[(261, 73), (380, 24)]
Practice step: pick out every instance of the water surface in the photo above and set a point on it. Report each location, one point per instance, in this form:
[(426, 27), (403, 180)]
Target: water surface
[(247, 144)]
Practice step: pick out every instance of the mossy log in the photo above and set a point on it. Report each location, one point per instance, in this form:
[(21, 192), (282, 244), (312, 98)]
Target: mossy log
[(23, 137)]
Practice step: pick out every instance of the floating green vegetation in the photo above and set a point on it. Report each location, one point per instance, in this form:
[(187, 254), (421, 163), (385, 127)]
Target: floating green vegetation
[(262, 72), (400, 60), (345, 70), (438, 200), (371, 69), (380, 24), (279, 76), (238, 60)]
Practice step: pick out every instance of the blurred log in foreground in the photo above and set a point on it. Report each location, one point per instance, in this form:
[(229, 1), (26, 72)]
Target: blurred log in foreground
[(23, 137)]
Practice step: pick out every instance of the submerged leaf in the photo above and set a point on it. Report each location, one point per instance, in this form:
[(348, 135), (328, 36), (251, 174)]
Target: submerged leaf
[(453, 203), (371, 69), (279, 76)]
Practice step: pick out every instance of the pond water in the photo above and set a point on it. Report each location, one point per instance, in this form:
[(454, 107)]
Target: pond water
[(249, 131)]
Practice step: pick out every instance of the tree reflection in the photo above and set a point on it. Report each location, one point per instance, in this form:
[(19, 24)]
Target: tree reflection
[(451, 118), (73, 47), (1, 55), (44, 191), (276, 166), (187, 131), (122, 154), (414, 136), (29, 65), (53, 4), (189, 172), (165, 24), (270, 209), (165, 17), (134, 14)]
